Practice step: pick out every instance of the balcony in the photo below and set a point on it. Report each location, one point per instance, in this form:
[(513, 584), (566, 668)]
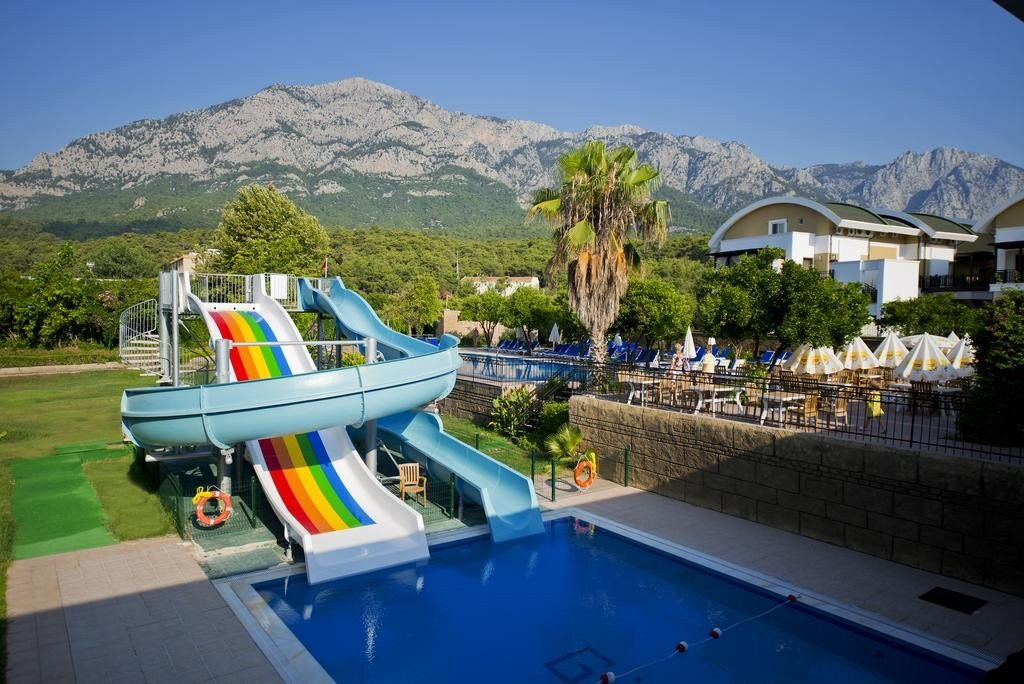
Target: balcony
[(1008, 275), (871, 291), (977, 282)]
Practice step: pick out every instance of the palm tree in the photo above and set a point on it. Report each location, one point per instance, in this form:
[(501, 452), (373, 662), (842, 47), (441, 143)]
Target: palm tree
[(603, 199), (563, 445)]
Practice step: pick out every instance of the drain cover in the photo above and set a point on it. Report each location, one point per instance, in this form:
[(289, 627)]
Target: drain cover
[(582, 665), (954, 600)]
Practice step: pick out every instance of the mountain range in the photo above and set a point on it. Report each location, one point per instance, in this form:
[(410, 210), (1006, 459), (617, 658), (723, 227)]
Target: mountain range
[(356, 153)]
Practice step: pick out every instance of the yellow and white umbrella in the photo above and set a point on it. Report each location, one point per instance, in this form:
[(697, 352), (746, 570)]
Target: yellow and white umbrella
[(941, 342), (689, 349), (857, 356), (814, 361), (924, 363), (961, 359), (952, 337), (891, 351)]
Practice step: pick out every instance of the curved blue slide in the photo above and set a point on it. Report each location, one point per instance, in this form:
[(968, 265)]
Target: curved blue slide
[(507, 497)]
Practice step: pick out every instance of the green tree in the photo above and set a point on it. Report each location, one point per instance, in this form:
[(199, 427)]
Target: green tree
[(991, 413), (652, 311), (743, 301), (486, 308), (817, 310), (417, 304), (262, 230), (528, 309), (604, 197), (935, 314), (119, 258), (569, 327), (54, 306)]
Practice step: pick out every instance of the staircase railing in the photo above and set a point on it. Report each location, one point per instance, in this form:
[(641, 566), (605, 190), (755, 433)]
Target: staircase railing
[(138, 340)]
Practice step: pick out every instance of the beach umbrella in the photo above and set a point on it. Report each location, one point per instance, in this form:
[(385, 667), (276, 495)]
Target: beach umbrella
[(689, 349), (857, 356), (815, 361), (891, 351), (555, 337), (941, 342), (617, 341), (925, 362), (797, 357), (961, 359), (952, 337)]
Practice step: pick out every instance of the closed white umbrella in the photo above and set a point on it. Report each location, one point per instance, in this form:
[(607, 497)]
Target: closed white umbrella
[(891, 351), (952, 337), (818, 361), (797, 357), (941, 342), (857, 356), (617, 340), (555, 337), (961, 359), (689, 348), (925, 362)]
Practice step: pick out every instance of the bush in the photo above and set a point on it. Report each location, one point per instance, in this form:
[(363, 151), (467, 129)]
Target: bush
[(511, 411), (990, 413), (553, 415), (352, 358)]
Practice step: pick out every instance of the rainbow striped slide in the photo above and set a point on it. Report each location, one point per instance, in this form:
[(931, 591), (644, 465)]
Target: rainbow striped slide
[(299, 465)]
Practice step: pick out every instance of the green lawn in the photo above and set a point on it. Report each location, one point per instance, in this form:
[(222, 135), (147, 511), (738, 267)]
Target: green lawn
[(16, 357), (132, 508), (491, 443)]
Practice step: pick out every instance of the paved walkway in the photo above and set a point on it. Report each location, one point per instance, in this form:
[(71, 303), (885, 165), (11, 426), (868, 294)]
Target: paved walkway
[(20, 371), (872, 584), (136, 612)]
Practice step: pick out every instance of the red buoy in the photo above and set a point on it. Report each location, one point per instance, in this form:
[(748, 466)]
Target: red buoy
[(715, 633), (682, 646), (607, 678)]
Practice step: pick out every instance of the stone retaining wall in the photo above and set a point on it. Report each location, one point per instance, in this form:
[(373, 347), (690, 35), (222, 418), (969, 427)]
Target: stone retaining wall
[(471, 400), (950, 515)]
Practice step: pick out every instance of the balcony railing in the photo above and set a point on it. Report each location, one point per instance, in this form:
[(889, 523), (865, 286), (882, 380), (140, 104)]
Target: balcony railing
[(1008, 275), (955, 283), (871, 291)]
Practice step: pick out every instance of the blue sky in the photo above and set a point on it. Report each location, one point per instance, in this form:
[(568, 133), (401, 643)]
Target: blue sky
[(799, 82)]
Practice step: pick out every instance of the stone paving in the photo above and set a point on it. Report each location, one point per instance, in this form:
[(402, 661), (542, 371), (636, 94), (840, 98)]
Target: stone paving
[(866, 582), (136, 612)]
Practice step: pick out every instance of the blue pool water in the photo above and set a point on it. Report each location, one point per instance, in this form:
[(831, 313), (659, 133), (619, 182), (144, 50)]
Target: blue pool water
[(512, 368), (570, 604)]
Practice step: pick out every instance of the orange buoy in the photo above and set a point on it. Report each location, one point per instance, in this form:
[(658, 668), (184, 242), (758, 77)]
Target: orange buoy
[(223, 507), (584, 474)]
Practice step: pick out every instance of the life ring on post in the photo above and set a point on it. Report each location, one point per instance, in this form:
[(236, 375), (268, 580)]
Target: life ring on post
[(586, 471), (223, 506)]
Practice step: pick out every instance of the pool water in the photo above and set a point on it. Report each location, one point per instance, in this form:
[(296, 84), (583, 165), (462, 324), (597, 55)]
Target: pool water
[(570, 604), (513, 369)]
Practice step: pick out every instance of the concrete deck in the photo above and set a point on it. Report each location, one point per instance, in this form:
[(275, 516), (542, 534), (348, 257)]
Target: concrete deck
[(136, 612), (865, 582)]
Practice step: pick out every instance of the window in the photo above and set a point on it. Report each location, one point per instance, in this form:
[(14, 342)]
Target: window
[(808, 263), (776, 226)]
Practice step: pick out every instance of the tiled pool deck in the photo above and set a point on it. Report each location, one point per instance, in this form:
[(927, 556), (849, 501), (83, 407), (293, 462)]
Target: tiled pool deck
[(144, 611)]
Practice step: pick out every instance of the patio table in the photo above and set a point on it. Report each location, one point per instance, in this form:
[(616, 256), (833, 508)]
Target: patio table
[(640, 388), (780, 401), (732, 392)]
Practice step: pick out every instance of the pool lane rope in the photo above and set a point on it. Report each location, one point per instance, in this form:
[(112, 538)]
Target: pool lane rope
[(681, 647)]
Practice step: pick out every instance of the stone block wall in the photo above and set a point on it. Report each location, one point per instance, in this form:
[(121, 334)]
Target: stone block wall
[(950, 515), (471, 400)]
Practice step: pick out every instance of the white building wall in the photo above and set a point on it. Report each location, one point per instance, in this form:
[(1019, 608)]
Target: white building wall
[(848, 248), (908, 250), (892, 278), (798, 246)]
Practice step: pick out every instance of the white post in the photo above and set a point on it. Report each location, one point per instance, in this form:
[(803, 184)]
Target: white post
[(175, 354), (222, 358), (370, 429)]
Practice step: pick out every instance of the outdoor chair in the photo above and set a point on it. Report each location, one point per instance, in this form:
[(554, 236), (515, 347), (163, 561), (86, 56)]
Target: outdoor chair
[(804, 412), (411, 482), (923, 397), (836, 408)]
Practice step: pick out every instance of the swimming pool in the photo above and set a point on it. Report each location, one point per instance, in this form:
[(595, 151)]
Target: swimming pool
[(515, 368), (572, 603)]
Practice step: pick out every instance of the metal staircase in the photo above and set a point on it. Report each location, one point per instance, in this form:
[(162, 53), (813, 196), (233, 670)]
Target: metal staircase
[(138, 339)]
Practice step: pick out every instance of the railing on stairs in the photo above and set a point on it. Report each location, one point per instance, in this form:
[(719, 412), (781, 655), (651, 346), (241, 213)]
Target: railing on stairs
[(138, 339)]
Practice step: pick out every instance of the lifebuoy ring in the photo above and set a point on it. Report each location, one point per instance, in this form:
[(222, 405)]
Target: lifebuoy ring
[(584, 474), (223, 506)]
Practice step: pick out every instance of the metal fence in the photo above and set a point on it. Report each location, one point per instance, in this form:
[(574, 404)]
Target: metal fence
[(865, 407)]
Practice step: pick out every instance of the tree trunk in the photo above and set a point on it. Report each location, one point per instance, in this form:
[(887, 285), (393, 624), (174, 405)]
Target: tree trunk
[(598, 346)]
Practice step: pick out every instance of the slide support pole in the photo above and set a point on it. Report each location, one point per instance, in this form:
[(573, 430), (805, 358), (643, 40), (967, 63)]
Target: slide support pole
[(370, 430)]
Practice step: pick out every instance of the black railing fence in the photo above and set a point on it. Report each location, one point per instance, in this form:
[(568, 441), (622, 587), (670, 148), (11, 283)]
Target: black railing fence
[(869, 406)]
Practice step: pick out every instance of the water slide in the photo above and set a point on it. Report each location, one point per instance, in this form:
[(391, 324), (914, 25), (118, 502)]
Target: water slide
[(508, 498), (292, 421)]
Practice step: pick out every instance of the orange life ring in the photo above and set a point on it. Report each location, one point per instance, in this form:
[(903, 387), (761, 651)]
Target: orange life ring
[(224, 507), (584, 474)]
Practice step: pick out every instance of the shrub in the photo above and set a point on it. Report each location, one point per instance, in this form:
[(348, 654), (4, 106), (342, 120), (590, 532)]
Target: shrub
[(352, 358), (990, 413), (511, 411), (553, 415)]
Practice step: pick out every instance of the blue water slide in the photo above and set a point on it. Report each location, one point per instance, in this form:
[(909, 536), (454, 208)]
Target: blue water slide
[(508, 498)]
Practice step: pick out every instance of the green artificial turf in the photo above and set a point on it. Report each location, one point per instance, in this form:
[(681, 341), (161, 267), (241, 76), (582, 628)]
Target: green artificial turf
[(55, 508), (491, 443)]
